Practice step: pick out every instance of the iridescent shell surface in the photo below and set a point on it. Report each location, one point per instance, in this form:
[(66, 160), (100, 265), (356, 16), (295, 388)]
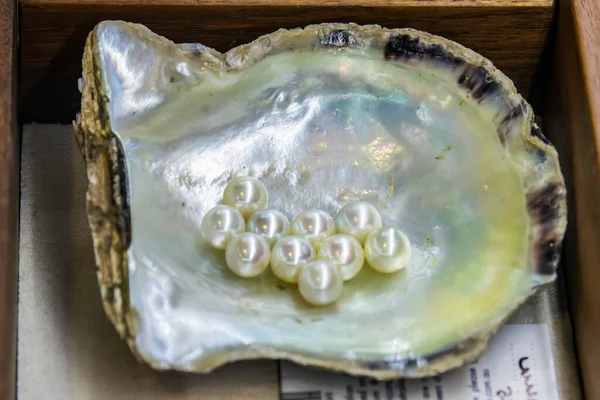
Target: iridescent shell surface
[(425, 129)]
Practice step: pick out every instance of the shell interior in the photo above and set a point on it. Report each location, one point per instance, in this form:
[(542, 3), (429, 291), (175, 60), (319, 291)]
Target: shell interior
[(428, 131)]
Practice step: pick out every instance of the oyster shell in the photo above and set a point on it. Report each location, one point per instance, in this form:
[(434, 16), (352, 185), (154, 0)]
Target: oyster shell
[(429, 131)]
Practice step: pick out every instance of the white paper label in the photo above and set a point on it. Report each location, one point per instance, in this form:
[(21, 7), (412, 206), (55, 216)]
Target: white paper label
[(517, 365)]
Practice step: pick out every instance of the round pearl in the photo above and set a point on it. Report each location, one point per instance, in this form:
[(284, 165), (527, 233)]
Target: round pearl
[(270, 224), (387, 250), (247, 194), (320, 283), (314, 225), (289, 255), (346, 252), (247, 255), (358, 219), (220, 225)]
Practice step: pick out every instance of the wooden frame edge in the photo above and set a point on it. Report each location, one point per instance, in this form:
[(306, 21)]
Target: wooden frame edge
[(9, 197), (585, 153), (573, 118), (317, 3)]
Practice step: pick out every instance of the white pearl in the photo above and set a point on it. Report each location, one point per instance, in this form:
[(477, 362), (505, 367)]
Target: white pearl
[(248, 255), (289, 255), (270, 224), (220, 225), (358, 219), (320, 283), (314, 225), (346, 252), (387, 250), (247, 194)]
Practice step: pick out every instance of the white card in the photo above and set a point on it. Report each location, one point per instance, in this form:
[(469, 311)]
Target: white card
[(517, 365)]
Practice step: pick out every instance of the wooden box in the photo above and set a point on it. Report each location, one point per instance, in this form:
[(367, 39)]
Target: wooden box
[(550, 49)]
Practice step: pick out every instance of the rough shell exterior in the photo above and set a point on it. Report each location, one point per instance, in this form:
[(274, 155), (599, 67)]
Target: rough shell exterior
[(107, 198)]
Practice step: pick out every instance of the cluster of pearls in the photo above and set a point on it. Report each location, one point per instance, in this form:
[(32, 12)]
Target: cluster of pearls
[(315, 251)]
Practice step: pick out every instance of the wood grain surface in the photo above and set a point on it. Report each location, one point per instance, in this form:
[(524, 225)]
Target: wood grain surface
[(574, 117), (9, 198), (318, 3), (587, 22), (511, 33)]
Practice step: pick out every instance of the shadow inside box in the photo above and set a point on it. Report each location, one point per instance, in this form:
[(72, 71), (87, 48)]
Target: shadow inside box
[(67, 348)]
